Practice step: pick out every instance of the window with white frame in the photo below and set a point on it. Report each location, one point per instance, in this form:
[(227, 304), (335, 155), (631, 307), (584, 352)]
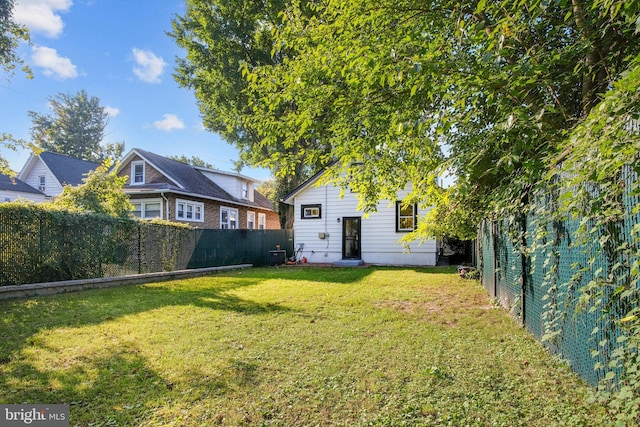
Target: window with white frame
[(310, 211), (137, 173), (228, 218), (42, 181), (147, 208), (262, 221), (245, 190), (187, 210), (406, 216), (251, 220)]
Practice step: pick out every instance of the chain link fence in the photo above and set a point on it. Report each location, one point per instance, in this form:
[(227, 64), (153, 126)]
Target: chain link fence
[(37, 246)]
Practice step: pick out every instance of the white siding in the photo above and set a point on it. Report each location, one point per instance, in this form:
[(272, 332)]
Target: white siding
[(379, 240), (230, 184), (14, 195), (52, 186)]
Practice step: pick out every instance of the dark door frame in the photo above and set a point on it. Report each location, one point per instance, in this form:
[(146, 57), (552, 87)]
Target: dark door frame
[(355, 239)]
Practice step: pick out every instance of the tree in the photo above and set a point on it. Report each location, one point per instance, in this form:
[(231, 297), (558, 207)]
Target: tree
[(403, 90), (101, 193), (11, 34), (193, 161), (76, 128), (219, 37)]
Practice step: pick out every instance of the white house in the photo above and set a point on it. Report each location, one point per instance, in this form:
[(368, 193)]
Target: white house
[(331, 229), (49, 172)]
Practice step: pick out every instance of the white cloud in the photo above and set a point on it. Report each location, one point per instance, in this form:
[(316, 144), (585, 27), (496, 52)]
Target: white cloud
[(53, 65), (150, 67), (170, 122), (111, 111), (40, 15)]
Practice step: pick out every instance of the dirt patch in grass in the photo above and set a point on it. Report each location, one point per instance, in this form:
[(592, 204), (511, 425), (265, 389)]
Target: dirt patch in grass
[(439, 305)]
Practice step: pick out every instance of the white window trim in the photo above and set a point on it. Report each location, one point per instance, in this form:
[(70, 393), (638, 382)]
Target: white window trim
[(194, 205), (229, 210), (133, 172), (399, 217), (244, 190), (306, 211), (42, 183), (251, 220), (143, 203), (262, 221)]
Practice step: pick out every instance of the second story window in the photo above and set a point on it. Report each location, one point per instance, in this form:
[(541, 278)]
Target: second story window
[(42, 181), (245, 190), (137, 173)]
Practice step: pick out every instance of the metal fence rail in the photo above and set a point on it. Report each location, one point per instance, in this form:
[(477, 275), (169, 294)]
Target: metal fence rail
[(40, 246)]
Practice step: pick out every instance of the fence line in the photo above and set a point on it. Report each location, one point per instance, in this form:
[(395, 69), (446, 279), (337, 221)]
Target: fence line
[(540, 281), (37, 246)]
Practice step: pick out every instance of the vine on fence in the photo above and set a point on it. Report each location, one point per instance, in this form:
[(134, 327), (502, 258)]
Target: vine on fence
[(594, 184)]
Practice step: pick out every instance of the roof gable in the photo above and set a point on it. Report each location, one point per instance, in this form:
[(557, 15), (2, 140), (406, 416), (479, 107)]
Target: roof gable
[(188, 180), (15, 184), (67, 170)]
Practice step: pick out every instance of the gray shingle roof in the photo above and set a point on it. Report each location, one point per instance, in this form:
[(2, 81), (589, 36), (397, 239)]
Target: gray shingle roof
[(16, 185), (192, 181), (67, 170)]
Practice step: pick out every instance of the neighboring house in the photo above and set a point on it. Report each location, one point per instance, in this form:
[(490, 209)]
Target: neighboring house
[(49, 172), (159, 187), (331, 229), (12, 189)]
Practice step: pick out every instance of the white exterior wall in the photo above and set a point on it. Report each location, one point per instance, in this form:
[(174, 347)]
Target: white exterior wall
[(230, 184), (14, 195), (379, 241), (52, 186)]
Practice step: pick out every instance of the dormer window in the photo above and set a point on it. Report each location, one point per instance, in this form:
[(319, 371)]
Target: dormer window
[(42, 183), (245, 190), (137, 173)]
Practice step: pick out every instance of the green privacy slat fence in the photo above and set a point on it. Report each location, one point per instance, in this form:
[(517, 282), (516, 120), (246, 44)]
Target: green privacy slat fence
[(546, 296), (41, 246)]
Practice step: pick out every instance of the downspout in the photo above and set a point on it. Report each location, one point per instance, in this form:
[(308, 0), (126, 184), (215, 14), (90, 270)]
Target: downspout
[(167, 207)]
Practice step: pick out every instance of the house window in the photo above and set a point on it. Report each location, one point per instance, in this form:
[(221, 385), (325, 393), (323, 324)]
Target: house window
[(228, 218), (189, 211), (245, 190), (406, 216), (262, 221), (147, 209), (251, 220), (311, 211), (137, 173), (42, 180)]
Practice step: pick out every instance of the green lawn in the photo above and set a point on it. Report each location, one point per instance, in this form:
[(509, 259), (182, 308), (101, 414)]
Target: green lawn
[(289, 347)]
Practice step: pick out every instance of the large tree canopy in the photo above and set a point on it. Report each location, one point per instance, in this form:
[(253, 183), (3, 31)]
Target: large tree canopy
[(76, 128), (219, 37), (403, 90)]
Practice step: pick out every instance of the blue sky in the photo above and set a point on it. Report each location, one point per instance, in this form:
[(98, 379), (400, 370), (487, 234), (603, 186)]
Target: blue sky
[(117, 51)]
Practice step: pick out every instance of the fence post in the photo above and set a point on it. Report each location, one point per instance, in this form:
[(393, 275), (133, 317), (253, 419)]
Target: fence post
[(523, 266), (139, 248)]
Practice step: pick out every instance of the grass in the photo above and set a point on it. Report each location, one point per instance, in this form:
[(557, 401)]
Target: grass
[(288, 347)]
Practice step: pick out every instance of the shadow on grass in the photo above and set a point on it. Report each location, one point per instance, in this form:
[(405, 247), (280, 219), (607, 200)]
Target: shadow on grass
[(22, 319), (120, 388)]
